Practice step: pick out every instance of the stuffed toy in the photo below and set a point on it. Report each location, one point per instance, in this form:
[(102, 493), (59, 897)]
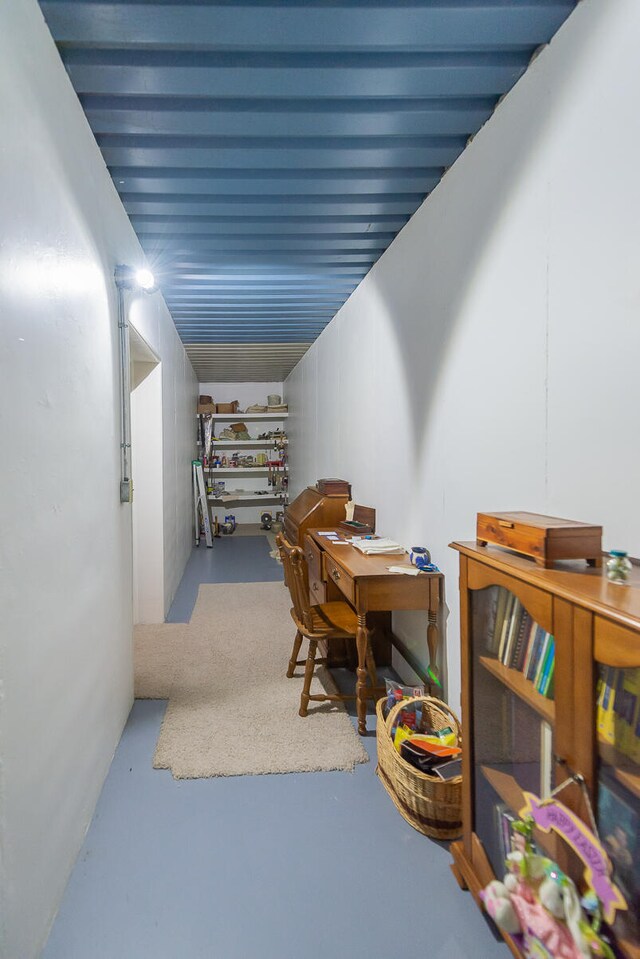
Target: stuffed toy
[(536, 900)]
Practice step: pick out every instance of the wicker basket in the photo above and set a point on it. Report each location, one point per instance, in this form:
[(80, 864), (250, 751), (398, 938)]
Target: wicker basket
[(432, 806)]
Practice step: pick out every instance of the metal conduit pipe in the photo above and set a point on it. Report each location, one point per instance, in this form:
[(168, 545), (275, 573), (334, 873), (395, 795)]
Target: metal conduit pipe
[(126, 278)]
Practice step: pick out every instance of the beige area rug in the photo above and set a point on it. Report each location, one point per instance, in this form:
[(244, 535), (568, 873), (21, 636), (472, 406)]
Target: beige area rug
[(232, 711), (158, 650)]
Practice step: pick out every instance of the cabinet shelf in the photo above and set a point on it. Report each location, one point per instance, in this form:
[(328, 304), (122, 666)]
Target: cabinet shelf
[(620, 766), (510, 793), (514, 680)]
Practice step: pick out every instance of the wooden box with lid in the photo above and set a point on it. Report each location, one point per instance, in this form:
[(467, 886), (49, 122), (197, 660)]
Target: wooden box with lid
[(544, 538)]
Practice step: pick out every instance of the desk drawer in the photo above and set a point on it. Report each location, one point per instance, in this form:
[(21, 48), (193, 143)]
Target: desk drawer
[(317, 591), (338, 575), (313, 557)]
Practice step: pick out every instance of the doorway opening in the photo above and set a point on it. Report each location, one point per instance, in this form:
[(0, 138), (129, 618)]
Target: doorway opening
[(146, 471)]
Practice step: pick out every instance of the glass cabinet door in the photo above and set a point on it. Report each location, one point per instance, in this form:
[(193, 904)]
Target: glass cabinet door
[(617, 723), (513, 714)]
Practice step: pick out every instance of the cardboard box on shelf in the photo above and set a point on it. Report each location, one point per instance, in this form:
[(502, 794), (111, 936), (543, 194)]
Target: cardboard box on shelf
[(228, 407), (206, 404)]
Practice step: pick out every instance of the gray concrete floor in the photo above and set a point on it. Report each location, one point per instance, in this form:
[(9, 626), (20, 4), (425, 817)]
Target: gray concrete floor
[(262, 867)]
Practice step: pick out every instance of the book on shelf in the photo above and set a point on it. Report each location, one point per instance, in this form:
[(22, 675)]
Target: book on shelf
[(517, 659), (496, 619), (504, 625), (512, 632), (546, 760), (618, 816), (605, 716), (627, 710), (544, 652), (546, 671), (505, 820), (528, 645), (618, 710), (536, 646), (519, 643)]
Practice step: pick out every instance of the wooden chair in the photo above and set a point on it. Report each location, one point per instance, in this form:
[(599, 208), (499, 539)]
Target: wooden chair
[(324, 622)]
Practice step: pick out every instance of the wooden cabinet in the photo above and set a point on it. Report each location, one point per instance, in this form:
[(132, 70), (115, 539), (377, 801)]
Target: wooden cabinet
[(518, 739)]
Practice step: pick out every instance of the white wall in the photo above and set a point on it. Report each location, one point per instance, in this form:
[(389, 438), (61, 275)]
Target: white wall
[(247, 394), (498, 338), (152, 320), (147, 511), (65, 540)]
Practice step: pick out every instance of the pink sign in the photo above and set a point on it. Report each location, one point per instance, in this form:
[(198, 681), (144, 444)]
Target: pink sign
[(550, 814)]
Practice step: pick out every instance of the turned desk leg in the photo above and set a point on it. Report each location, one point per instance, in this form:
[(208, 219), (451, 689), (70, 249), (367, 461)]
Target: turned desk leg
[(361, 673), (433, 640)]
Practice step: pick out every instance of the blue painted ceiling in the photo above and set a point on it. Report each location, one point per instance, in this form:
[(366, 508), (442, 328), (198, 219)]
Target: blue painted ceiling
[(267, 153)]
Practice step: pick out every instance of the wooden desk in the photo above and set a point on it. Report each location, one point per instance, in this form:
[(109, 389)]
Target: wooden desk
[(369, 587)]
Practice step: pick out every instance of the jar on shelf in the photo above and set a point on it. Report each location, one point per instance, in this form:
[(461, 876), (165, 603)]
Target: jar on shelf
[(618, 566)]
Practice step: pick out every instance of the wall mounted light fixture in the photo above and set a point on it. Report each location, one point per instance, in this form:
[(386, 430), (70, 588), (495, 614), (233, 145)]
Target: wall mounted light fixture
[(130, 278), (135, 280)]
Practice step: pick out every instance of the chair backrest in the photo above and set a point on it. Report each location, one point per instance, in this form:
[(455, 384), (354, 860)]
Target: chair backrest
[(297, 578)]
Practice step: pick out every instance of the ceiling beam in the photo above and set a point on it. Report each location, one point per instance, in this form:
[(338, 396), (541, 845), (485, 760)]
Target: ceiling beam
[(466, 24)]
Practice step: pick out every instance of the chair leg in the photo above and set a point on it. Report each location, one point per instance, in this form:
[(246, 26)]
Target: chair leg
[(297, 643), (308, 676)]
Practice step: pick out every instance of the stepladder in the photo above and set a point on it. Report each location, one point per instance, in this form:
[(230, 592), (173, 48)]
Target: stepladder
[(201, 517)]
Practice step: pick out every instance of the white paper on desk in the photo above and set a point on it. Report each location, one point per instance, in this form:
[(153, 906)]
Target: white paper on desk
[(330, 534), (407, 570)]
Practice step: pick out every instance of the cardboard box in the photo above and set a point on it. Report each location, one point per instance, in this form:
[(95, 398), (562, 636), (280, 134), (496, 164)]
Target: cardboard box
[(206, 404), (228, 407)]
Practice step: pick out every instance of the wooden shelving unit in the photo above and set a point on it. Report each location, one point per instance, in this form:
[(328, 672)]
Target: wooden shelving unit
[(596, 629), (245, 497), (247, 417), (243, 470), (217, 447), (243, 444), (517, 683)]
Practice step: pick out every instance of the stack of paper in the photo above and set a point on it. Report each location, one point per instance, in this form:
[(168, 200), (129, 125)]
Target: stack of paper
[(373, 547), (407, 570)]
